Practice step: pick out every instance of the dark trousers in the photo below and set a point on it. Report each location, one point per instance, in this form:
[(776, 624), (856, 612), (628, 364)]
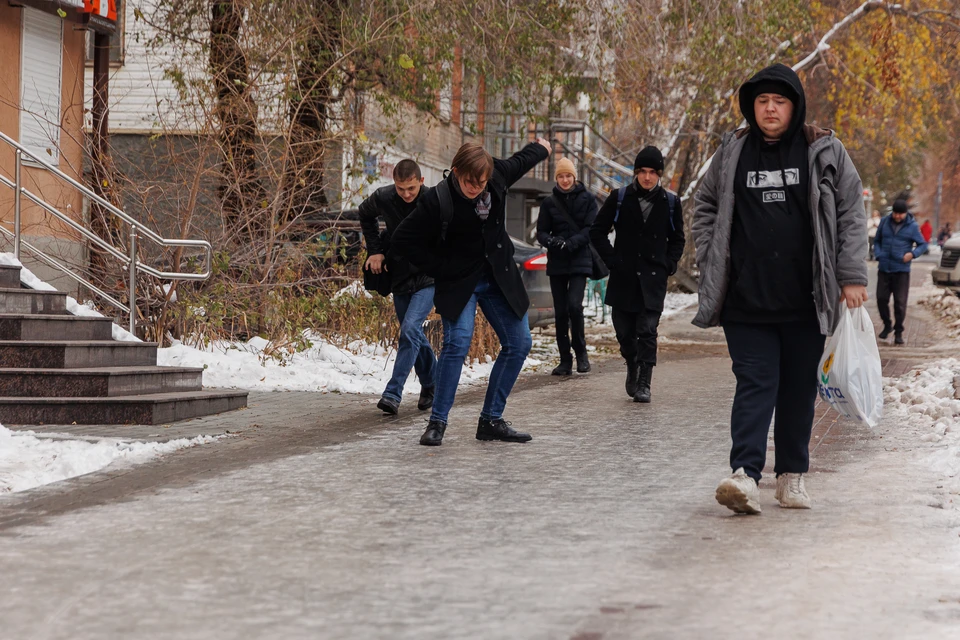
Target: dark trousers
[(637, 335), (568, 306), (899, 285), (776, 369)]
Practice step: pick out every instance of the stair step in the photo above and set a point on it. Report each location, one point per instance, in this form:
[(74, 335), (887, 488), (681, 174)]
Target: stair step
[(16, 300), (67, 354), (99, 382), (9, 277), (159, 408), (54, 327)]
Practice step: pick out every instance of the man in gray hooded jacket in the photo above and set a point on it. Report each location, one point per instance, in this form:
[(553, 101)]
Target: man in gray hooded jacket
[(781, 240)]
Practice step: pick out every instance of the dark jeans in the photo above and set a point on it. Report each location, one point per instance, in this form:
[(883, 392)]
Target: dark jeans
[(414, 348), (568, 305), (515, 343), (776, 368), (637, 335), (899, 285)]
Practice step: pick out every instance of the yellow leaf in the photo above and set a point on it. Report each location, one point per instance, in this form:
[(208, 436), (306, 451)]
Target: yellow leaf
[(405, 61)]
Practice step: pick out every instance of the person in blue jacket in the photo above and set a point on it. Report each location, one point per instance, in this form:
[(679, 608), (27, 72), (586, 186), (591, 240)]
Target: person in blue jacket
[(897, 243)]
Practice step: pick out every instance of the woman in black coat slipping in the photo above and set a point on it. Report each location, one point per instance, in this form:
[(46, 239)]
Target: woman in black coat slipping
[(564, 229)]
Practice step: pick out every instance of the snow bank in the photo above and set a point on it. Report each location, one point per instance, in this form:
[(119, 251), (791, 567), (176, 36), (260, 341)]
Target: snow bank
[(27, 461), (28, 278), (673, 303), (944, 304), (324, 367)]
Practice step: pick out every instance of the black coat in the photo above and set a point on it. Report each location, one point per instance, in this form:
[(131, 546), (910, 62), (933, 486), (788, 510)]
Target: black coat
[(575, 258), (472, 246), (646, 253), (386, 204)]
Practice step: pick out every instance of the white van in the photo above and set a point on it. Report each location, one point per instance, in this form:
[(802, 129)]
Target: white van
[(947, 273)]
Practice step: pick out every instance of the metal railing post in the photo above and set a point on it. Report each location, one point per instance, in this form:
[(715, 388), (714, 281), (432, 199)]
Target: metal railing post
[(16, 205), (133, 281)]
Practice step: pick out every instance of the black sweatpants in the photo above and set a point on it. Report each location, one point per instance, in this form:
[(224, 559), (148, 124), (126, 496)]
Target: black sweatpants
[(637, 334), (567, 293), (776, 369), (899, 285)]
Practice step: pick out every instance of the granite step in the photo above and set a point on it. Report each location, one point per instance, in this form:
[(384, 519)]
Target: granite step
[(30, 301), (98, 382), (39, 327), (158, 408), (9, 277), (67, 354)]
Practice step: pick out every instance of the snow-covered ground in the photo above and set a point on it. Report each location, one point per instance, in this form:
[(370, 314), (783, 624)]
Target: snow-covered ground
[(28, 461), (672, 304)]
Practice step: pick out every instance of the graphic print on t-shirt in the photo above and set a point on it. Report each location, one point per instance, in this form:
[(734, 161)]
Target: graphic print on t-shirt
[(769, 179)]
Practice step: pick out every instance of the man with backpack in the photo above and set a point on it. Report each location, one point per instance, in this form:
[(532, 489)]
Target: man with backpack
[(648, 221), (458, 236), (412, 289)]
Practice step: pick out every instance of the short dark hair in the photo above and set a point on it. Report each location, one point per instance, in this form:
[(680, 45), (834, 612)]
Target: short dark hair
[(473, 163), (405, 170)]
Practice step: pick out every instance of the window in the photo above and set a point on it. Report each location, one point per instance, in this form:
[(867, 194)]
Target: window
[(116, 39), (41, 57)]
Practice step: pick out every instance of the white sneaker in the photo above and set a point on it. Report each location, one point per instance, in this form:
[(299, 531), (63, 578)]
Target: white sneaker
[(739, 493), (791, 494)]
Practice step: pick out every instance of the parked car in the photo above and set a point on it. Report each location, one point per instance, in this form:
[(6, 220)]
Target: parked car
[(947, 273), (533, 268)]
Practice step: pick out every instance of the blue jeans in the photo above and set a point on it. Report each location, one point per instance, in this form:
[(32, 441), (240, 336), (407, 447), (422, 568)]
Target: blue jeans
[(515, 343), (414, 348)]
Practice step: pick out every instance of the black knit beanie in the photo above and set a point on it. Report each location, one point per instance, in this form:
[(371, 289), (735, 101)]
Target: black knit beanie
[(650, 158), (900, 206)]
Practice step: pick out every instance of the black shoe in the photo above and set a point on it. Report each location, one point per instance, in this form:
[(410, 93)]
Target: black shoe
[(898, 339), (388, 406), (643, 388), (433, 436), (583, 363), (633, 379), (565, 368), (499, 429), (426, 398), (885, 333)]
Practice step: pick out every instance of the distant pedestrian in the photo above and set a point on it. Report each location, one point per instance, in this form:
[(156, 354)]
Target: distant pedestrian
[(412, 289), (458, 236), (872, 223), (648, 221), (926, 230), (563, 227), (944, 234), (899, 241), (781, 241)]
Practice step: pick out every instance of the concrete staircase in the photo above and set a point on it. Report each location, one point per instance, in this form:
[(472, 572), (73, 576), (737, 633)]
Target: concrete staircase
[(57, 368)]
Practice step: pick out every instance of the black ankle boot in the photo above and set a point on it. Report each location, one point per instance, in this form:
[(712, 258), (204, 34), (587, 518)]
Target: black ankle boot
[(500, 429), (643, 388), (565, 368), (583, 363), (426, 398), (898, 338), (633, 379), (433, 436), (885, 333)]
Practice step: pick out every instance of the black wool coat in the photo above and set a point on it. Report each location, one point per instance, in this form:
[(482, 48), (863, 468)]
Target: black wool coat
[(385, 204), (575, 258), (645, 253), (472, 247)]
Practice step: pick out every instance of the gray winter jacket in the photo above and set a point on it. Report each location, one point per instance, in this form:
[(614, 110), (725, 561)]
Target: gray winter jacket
[(839, 225)]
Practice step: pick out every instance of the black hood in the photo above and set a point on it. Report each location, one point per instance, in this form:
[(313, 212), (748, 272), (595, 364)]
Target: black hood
[(777, 74)]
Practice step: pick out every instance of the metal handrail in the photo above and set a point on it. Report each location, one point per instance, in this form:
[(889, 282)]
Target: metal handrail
[(136, 229)]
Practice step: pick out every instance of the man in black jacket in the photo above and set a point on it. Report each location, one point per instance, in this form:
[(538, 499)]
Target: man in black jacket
[(412, 289), (649, 223), (458, 236)]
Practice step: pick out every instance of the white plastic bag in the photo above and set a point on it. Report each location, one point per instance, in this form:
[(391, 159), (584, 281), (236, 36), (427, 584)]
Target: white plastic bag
[(849, 377)]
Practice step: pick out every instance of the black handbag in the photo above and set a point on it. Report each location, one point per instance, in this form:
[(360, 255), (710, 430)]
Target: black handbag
[(599, 268), (377, 282)]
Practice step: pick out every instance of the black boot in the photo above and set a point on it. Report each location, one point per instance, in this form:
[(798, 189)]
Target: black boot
[(633, 378), (898, 338), (426, 398), (388, 406), (583, 363), (643, 389), (886, 332), (433, 436), (499, 429), (565, 368)]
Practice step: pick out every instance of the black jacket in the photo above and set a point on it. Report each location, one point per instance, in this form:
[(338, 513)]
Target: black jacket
[(575, 258), (386, 204), (646, 253), (472, 247)]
